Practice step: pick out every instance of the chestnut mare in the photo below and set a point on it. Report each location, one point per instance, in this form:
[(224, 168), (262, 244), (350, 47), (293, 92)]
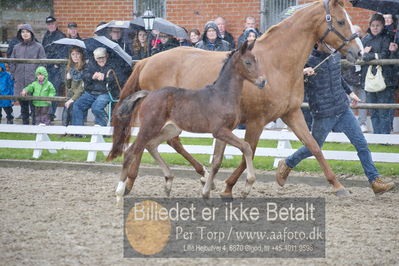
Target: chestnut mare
[(164, 113), (281, 53)]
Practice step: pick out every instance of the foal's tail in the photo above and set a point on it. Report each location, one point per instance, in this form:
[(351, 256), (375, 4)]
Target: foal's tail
[(122, 123), (122, 118), (125, 117)]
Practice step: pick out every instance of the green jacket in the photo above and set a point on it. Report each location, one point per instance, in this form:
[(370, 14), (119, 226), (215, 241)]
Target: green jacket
[(37, 89)]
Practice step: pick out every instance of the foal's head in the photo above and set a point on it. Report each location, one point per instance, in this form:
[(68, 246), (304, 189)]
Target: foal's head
[(247, 65)]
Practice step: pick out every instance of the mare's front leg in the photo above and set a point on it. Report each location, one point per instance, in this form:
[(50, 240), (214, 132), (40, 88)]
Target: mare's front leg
[(226, 135), (252, 134), (296, 121), (199, 168), (216, 162)]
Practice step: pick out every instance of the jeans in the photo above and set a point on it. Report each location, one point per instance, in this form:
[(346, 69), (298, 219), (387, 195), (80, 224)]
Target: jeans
[(97, 103), (361, 93), (381, 119), (346, 123)]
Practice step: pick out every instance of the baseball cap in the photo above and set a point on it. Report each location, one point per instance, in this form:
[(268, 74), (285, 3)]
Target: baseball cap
[(50, 19), (72, 25)]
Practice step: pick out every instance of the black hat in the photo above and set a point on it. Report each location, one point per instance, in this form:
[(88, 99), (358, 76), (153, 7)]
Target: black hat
[(50, 19), (72, 25)]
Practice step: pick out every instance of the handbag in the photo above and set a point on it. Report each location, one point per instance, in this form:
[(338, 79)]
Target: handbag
[(374, 83)]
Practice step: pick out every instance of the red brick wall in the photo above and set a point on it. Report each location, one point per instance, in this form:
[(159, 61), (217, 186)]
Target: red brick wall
[(195, 13), (186, 13), (189, 14), (88, 13)]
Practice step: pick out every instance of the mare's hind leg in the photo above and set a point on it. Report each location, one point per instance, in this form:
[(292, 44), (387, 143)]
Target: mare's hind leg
[(199, 168), (252, 134), (169, 131), (216, 162), (296, 122), (226, 135)]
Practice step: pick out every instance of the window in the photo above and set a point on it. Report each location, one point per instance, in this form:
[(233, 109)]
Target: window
[(158, 7), (271, 10)]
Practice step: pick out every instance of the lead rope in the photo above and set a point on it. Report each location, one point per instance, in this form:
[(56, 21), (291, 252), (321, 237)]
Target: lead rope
[(117, 83)]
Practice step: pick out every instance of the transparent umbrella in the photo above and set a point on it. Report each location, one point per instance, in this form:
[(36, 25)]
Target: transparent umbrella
[(164, 26)]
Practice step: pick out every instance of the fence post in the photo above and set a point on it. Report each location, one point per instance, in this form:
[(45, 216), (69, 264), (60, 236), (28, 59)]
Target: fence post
[(40, 137), (95, 138)]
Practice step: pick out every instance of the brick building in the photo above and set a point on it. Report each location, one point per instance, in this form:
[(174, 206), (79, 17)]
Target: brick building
[(186, 13)]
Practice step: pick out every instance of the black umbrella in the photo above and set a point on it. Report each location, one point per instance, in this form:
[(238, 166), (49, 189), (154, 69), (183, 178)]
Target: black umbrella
[(381, 6), (164, 26), (112, 47)]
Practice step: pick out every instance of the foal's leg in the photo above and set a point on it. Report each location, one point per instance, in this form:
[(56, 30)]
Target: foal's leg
[(199, 168), (253, 131), (226, 135), (130, 169), (167, 132), (296, 122), (216, 162)]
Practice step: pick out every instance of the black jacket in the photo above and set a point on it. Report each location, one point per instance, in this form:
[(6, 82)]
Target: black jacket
[(164, 47), (94, 86), (54, 51), (229, 38), (380, 46), (327, 90)]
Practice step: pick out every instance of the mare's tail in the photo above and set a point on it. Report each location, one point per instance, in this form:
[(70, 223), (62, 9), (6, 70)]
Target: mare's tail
[(122, 118)]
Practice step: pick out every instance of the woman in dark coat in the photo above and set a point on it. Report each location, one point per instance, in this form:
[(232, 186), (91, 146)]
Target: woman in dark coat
[(24, 74), (376, 46)]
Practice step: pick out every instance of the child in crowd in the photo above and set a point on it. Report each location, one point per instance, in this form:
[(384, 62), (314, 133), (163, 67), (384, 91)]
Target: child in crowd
[(6, 88), (41, 87)]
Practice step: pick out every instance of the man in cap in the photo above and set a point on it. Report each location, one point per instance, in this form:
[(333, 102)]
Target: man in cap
[(55, 71), (72, 31)]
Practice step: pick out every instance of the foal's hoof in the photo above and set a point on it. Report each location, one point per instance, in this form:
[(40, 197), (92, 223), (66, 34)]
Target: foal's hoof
[(342, 193), (206, 194), (119, 201), (126, 192), (226, 195)]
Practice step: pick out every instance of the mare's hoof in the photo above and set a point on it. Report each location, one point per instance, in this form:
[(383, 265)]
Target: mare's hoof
[(244, 194), (342, 193), (226, 195), (127, 191)]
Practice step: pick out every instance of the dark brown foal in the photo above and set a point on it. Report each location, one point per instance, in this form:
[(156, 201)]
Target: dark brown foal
[(164, 113)]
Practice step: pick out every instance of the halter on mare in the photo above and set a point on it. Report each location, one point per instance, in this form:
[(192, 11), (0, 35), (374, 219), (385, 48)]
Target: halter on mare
[(331, 28)]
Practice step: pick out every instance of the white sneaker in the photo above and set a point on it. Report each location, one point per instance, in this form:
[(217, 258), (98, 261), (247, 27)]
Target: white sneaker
[(364, 128)]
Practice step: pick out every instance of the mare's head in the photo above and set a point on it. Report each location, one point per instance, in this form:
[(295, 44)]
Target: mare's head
[(247, 65), (338, 32)]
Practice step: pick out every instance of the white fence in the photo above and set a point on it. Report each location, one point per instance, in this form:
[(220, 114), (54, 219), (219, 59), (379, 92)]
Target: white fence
[(97, 143)]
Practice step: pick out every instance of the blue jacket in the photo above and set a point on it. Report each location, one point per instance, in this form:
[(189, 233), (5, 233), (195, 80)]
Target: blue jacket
[(327, 90), (6, 86)]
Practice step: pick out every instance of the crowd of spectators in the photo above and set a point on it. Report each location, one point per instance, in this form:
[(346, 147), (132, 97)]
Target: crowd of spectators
[(77, 79)]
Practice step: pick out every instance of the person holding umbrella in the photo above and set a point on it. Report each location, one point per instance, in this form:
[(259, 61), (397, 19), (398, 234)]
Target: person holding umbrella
[(55, 71), (74, 81), (95, 95)]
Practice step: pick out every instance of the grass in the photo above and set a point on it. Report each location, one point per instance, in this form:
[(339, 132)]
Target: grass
[(264, 163)]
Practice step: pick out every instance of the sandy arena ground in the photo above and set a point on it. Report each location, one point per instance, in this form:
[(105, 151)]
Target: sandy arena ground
[(68, 217)]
